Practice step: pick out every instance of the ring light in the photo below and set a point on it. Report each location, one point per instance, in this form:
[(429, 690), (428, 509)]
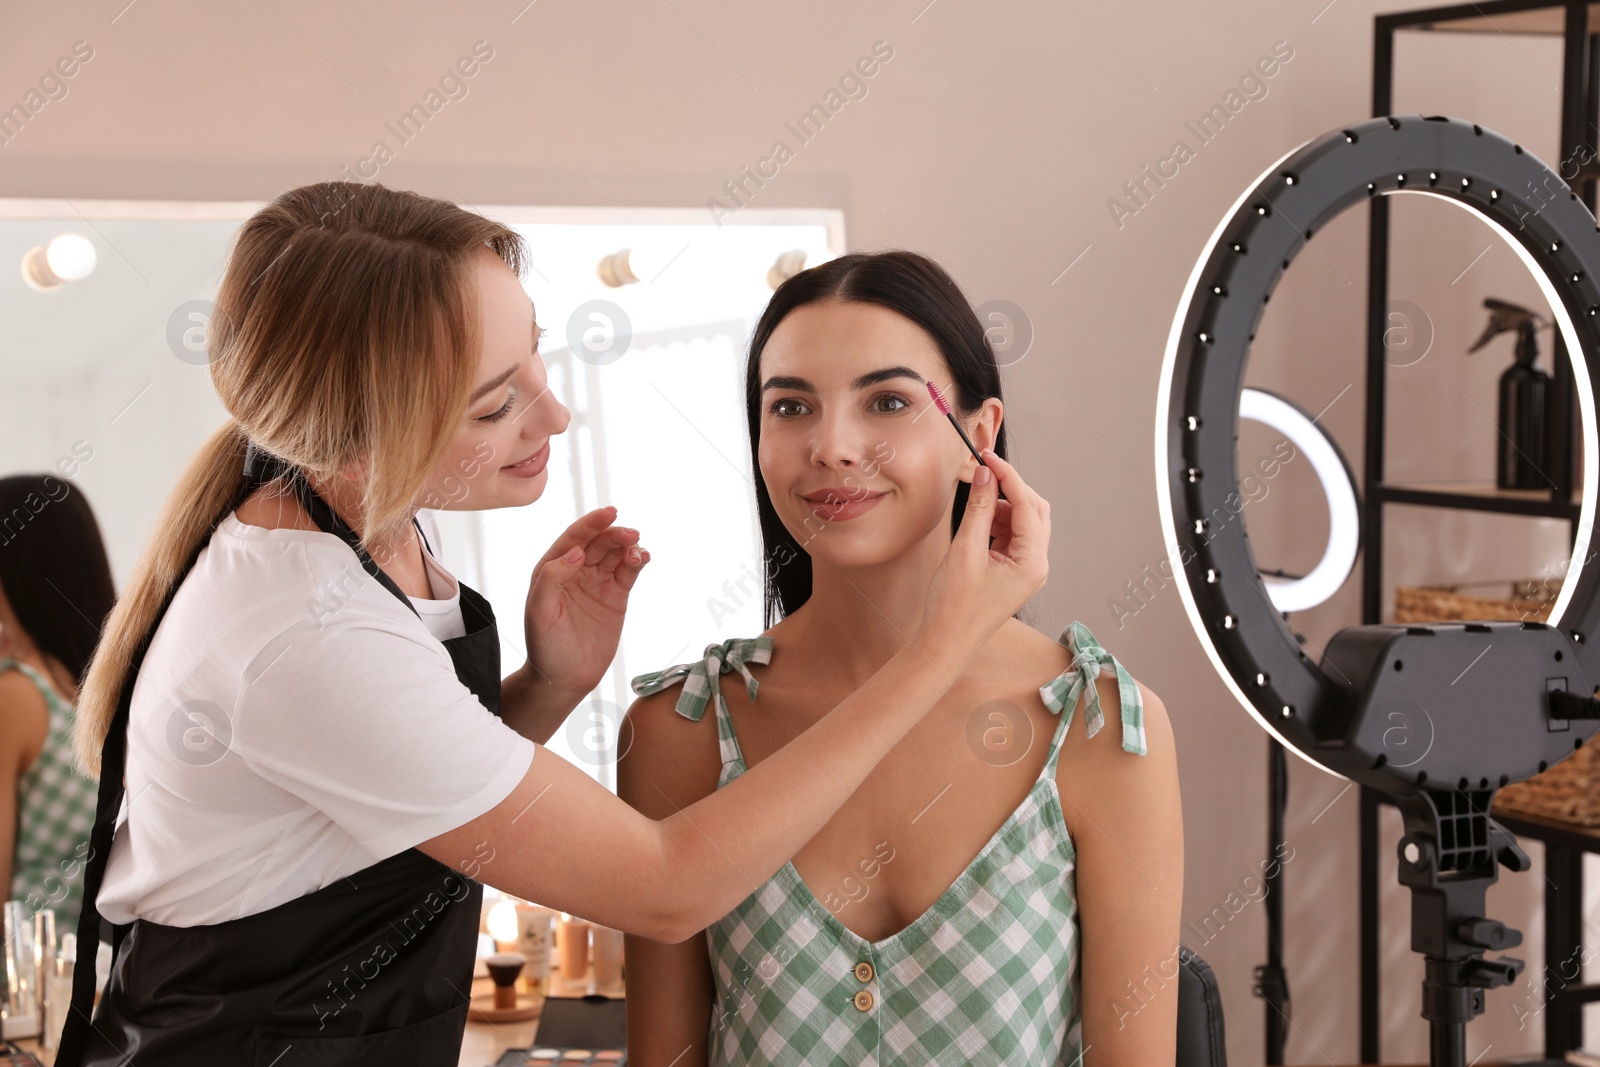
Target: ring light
[(1294, 699), (1382, 707), (1338, 486)]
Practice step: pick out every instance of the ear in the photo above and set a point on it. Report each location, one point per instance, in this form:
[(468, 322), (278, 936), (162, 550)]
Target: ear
[(984, 429)]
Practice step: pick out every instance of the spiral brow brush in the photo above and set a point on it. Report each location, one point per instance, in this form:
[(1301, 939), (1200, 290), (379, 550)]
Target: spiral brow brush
[(944, 406)]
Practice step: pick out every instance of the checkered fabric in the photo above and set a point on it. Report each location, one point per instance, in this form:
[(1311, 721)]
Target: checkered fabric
[(55, 811), (1087, 657), (732, 654), (988, 975)]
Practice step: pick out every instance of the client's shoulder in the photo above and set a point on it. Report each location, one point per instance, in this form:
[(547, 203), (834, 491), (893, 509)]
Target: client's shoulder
[(1055, 661), (1095, 772), (689, 687), (668, 753)]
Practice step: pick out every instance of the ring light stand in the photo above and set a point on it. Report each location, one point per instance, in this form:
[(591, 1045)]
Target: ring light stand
[(1383, 692)]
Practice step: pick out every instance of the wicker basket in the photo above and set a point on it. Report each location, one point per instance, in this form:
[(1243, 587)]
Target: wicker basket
[(1569, 791), (1530, 600)]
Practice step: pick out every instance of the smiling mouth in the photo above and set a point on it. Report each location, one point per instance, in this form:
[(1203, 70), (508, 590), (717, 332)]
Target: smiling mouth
[(833, 503), (530, 460), (839, 508), (837, 500)]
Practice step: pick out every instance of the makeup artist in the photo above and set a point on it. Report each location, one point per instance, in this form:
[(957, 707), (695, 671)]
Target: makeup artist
[(309, 761)]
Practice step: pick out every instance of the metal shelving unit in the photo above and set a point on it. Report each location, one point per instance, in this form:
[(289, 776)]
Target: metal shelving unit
[(1578, 25)]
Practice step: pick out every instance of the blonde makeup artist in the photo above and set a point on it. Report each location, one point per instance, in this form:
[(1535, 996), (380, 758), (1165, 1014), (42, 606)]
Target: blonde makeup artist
[(308, 757)]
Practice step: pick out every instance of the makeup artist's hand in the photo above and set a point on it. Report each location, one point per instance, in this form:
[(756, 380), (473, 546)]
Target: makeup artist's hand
[(980, 584), (573, 618)]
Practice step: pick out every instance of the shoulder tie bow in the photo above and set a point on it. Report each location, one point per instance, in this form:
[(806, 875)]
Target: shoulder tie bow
[(1061, 693), (736, 653)]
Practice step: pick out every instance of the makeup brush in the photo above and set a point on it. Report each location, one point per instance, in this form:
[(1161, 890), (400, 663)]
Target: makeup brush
[(944, 406), (503, 970)]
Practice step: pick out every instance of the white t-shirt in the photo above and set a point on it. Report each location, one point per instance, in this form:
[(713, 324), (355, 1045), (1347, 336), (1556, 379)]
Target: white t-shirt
[(294, 723)]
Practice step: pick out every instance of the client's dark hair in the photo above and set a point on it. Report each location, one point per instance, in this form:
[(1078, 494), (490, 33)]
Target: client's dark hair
[(910, 285), (53, 566)]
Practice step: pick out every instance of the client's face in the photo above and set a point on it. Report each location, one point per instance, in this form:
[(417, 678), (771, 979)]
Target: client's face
[(859, 462), (514, 416)]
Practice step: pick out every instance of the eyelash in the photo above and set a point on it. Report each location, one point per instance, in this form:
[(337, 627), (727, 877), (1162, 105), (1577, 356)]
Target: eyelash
[(773, 409), (505, 409)]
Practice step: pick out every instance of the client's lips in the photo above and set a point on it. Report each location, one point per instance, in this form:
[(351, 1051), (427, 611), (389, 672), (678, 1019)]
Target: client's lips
[(838, 504), (839, 492)]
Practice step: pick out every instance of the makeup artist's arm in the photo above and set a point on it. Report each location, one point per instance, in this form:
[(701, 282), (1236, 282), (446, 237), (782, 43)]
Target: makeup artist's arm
[(581, 849), (1126, 817), (534, 706), (669, 763), (572, 622), (563, 840)]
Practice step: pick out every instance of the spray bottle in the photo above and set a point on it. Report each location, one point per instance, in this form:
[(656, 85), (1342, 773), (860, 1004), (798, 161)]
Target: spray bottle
[(1523, 392)]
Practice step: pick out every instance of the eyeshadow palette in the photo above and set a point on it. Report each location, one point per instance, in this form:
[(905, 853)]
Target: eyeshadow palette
[(540, 1056), (589, 1029)]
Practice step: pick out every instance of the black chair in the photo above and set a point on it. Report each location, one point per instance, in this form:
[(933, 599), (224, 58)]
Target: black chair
[(1200, 1037)]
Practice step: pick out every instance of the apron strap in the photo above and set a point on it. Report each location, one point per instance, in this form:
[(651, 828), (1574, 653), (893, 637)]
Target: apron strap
[(113, 764), (328, 519), (259, 468)]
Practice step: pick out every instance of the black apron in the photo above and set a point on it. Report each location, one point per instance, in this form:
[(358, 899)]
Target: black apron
[(373, 968)]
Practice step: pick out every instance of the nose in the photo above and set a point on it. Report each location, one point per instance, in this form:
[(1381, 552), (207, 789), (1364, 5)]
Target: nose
[(555, 413), (838, 442)]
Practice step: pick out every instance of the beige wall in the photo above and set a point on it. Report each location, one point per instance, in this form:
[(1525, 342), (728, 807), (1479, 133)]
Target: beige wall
[(991, 140)]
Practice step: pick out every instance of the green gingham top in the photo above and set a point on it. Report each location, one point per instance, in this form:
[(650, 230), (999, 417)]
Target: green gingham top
[(988, 974), (55, 811)]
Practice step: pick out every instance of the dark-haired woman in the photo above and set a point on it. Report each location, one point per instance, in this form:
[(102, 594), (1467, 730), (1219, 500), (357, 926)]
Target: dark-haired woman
[(55, 592), (992, 888)]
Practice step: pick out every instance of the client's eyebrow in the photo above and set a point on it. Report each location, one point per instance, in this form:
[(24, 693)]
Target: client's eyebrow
[(870, 378), (496, 382)]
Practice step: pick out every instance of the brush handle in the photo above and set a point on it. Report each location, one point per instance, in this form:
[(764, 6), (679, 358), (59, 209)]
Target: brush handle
[(951, 416), (975, 454)]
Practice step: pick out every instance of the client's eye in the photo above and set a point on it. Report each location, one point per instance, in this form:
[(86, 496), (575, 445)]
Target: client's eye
[(776, 404), (904, 403)]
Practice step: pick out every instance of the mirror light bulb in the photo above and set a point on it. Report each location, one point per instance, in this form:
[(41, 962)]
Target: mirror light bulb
[(70, 256)]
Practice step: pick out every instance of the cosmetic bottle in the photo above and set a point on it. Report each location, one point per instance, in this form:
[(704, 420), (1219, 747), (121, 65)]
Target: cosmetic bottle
[(1524, 399)]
